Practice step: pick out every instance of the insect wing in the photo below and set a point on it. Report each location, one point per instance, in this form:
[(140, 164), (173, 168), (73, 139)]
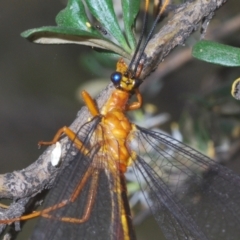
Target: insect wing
[(105, 218), (190, 195)]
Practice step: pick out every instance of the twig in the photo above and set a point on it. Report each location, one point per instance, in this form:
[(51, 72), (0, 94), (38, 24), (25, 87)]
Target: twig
[(24, 184), (179, 58)]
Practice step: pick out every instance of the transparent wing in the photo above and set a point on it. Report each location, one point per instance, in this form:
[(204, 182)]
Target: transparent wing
[(105, 216), (190, 195)]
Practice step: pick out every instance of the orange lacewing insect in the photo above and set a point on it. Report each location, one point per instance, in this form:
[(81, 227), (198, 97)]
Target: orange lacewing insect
[(190, 195)]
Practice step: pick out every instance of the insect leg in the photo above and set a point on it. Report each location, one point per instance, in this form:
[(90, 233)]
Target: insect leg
[(71, 135), (135, 105), (90, 199), (91, 105)]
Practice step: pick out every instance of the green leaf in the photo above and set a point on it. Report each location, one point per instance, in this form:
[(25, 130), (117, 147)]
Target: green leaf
[(130, 10), (73, 16), (73, 26), (63, 35), (51, 35), (103, 11), (217, 53)]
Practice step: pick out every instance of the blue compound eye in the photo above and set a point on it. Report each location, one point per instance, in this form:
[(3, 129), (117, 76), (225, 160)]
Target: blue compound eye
[(116, 78)]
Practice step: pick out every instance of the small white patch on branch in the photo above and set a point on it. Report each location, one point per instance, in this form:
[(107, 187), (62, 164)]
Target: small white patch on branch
[(56, 154)]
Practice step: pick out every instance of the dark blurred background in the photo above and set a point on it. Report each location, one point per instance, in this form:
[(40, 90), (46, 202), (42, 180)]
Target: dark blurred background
[(38, 82), (38, 85)]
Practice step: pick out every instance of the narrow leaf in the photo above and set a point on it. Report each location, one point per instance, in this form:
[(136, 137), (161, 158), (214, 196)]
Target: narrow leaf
[(103, 11), (130, 11), (58, 35), (63, 35), (74, 16), (74, 27), (217, 53)]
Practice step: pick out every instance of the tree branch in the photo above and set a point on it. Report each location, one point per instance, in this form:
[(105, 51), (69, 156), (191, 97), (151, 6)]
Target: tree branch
[(24, 184)]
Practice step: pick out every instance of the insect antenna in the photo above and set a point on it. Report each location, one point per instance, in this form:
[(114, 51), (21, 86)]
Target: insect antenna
[(138, 54), (145, 18)]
